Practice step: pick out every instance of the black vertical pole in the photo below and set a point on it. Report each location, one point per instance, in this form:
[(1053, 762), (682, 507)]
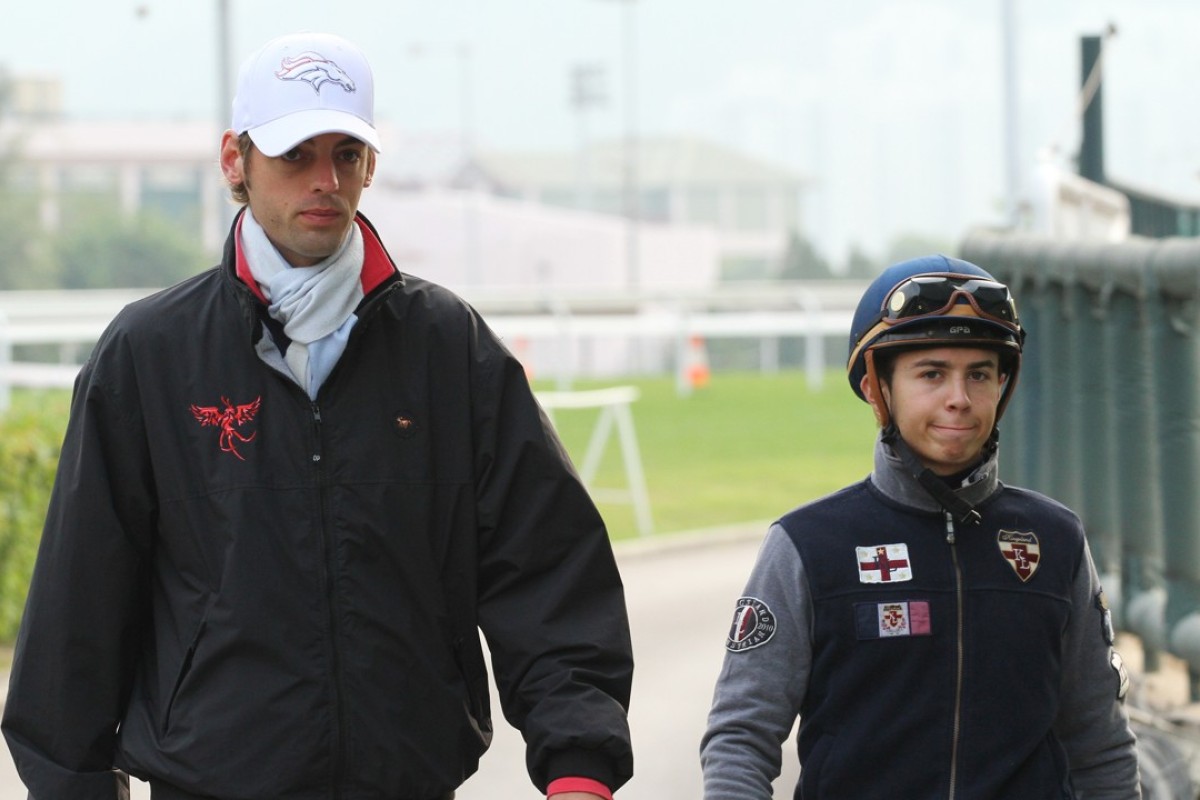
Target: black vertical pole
[(1091, 148)]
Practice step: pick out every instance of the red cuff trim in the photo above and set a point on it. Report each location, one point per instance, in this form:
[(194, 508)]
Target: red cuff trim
[(562, 785)]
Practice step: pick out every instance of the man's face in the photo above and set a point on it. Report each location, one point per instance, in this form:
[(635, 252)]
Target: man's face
[(943, 402), (305, 199)]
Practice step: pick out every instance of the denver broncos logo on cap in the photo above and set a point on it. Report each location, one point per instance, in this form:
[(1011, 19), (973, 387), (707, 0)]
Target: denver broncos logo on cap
[(316, 70)]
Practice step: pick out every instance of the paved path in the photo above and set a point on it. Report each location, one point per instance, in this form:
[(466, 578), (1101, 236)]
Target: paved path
[(680, 592)]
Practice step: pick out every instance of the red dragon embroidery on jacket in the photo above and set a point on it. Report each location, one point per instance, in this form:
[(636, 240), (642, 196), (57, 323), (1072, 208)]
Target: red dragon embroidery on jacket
[(229, 419)]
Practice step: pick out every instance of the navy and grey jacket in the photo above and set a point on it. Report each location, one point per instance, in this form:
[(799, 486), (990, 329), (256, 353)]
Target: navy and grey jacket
[(244, 593), (925, 658)]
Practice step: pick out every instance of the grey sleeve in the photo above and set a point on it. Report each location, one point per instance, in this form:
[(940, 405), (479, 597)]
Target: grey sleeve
[(763, 680), (1092, 723)]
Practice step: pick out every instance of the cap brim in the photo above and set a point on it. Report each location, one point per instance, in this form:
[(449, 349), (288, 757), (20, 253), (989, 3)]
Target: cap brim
[(278, 136)]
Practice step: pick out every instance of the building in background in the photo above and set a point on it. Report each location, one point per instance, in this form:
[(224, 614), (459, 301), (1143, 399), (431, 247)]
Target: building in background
[(1081, 200), (537, 235), (170, 167), (753, 206), (742, 209)]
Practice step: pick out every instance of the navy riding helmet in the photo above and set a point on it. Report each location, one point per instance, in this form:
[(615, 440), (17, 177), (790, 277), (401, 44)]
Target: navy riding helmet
[(934, 301)]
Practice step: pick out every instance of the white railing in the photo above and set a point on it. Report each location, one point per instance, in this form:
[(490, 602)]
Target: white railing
[(71, 321)]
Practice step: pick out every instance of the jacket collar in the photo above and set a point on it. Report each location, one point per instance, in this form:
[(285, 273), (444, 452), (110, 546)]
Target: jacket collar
[(377, 264), (892, 479)]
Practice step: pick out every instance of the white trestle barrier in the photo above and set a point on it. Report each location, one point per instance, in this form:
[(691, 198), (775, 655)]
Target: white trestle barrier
[(614, 405)]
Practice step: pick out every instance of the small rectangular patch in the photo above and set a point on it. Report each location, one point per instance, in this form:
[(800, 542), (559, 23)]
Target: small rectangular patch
[(888, 620), (883, 563)]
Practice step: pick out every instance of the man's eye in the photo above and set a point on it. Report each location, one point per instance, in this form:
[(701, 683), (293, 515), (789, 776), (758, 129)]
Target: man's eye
[(351, 156), (291, 155)]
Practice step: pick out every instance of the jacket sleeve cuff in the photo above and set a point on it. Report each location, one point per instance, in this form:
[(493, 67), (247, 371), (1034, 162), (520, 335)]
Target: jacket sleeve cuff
[(563, 785), (587, 764)]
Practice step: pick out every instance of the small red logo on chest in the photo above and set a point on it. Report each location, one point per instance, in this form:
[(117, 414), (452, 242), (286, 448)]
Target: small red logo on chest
[(229, 419)]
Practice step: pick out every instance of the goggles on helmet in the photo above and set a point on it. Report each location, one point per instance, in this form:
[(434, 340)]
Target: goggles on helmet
[(933, 295)]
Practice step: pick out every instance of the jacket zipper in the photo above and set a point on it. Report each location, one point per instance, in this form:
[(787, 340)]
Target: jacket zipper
[(339, 738), (958, 669)]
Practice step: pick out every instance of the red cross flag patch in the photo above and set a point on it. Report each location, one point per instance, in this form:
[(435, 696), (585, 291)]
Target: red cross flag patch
[(883, 563), (1021, 551)]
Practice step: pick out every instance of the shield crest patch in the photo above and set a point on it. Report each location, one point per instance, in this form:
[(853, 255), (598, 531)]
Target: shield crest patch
[(1022, 552)]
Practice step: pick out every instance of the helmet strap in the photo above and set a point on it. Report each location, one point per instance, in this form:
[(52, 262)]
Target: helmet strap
[(943, 495), (878, 401)]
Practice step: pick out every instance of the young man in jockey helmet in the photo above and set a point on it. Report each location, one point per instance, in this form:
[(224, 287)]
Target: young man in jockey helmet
[(939, 634)]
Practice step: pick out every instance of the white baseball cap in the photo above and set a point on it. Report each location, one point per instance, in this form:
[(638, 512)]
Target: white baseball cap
[(303, 85)]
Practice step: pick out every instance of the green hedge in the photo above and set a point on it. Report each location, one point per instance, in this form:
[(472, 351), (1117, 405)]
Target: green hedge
[(30, 440)]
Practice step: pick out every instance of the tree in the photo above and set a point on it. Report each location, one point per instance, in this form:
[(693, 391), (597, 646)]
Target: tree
[(109, 250), (912, 245), (860, 266), (6, 91), (801, 261), (21, 253)]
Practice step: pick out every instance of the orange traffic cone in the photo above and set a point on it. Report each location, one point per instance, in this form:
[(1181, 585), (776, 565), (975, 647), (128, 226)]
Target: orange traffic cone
[(695, 365), (521, 351)]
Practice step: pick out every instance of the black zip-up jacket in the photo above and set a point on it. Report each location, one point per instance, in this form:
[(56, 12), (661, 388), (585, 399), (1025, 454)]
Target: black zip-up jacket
[(243, 593)]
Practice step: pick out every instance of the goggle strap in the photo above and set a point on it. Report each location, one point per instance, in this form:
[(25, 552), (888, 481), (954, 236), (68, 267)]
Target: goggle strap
[(883, 326)]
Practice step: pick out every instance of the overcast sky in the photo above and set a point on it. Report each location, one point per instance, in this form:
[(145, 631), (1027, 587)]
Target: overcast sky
[(893, 109)]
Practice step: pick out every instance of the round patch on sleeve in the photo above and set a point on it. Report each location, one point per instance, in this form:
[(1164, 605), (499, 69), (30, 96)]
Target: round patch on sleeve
[(753, 625)]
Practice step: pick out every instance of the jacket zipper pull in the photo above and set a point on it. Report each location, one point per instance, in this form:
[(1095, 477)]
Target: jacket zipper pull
[(316, 412), (949, 528)]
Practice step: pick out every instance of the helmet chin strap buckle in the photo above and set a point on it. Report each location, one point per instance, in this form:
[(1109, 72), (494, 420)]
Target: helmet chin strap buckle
[(955, 506)]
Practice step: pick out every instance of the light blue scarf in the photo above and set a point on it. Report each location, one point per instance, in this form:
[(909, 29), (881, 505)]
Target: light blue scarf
[(315, 304)]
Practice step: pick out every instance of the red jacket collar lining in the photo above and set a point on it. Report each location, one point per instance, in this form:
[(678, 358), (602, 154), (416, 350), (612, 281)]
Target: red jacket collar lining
[(377, 266)]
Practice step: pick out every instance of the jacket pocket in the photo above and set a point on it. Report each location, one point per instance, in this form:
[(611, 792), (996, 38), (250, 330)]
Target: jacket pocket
[(184, 669), (469, 660)]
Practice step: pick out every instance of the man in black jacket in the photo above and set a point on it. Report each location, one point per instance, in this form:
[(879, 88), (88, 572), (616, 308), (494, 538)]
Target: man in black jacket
[(292, 492)]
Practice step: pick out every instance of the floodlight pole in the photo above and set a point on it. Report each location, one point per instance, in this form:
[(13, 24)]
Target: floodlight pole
[(586, 92), (224, 209), (630, 191), (632, 199), (1012, 127)]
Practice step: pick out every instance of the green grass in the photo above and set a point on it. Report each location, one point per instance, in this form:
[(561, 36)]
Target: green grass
[(745, 449)]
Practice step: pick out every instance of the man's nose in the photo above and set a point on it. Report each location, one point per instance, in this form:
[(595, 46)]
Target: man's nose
[(325, 176), (960, 396)]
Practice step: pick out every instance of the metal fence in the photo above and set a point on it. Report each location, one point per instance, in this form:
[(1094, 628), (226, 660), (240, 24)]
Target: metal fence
[(1107, 418)]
